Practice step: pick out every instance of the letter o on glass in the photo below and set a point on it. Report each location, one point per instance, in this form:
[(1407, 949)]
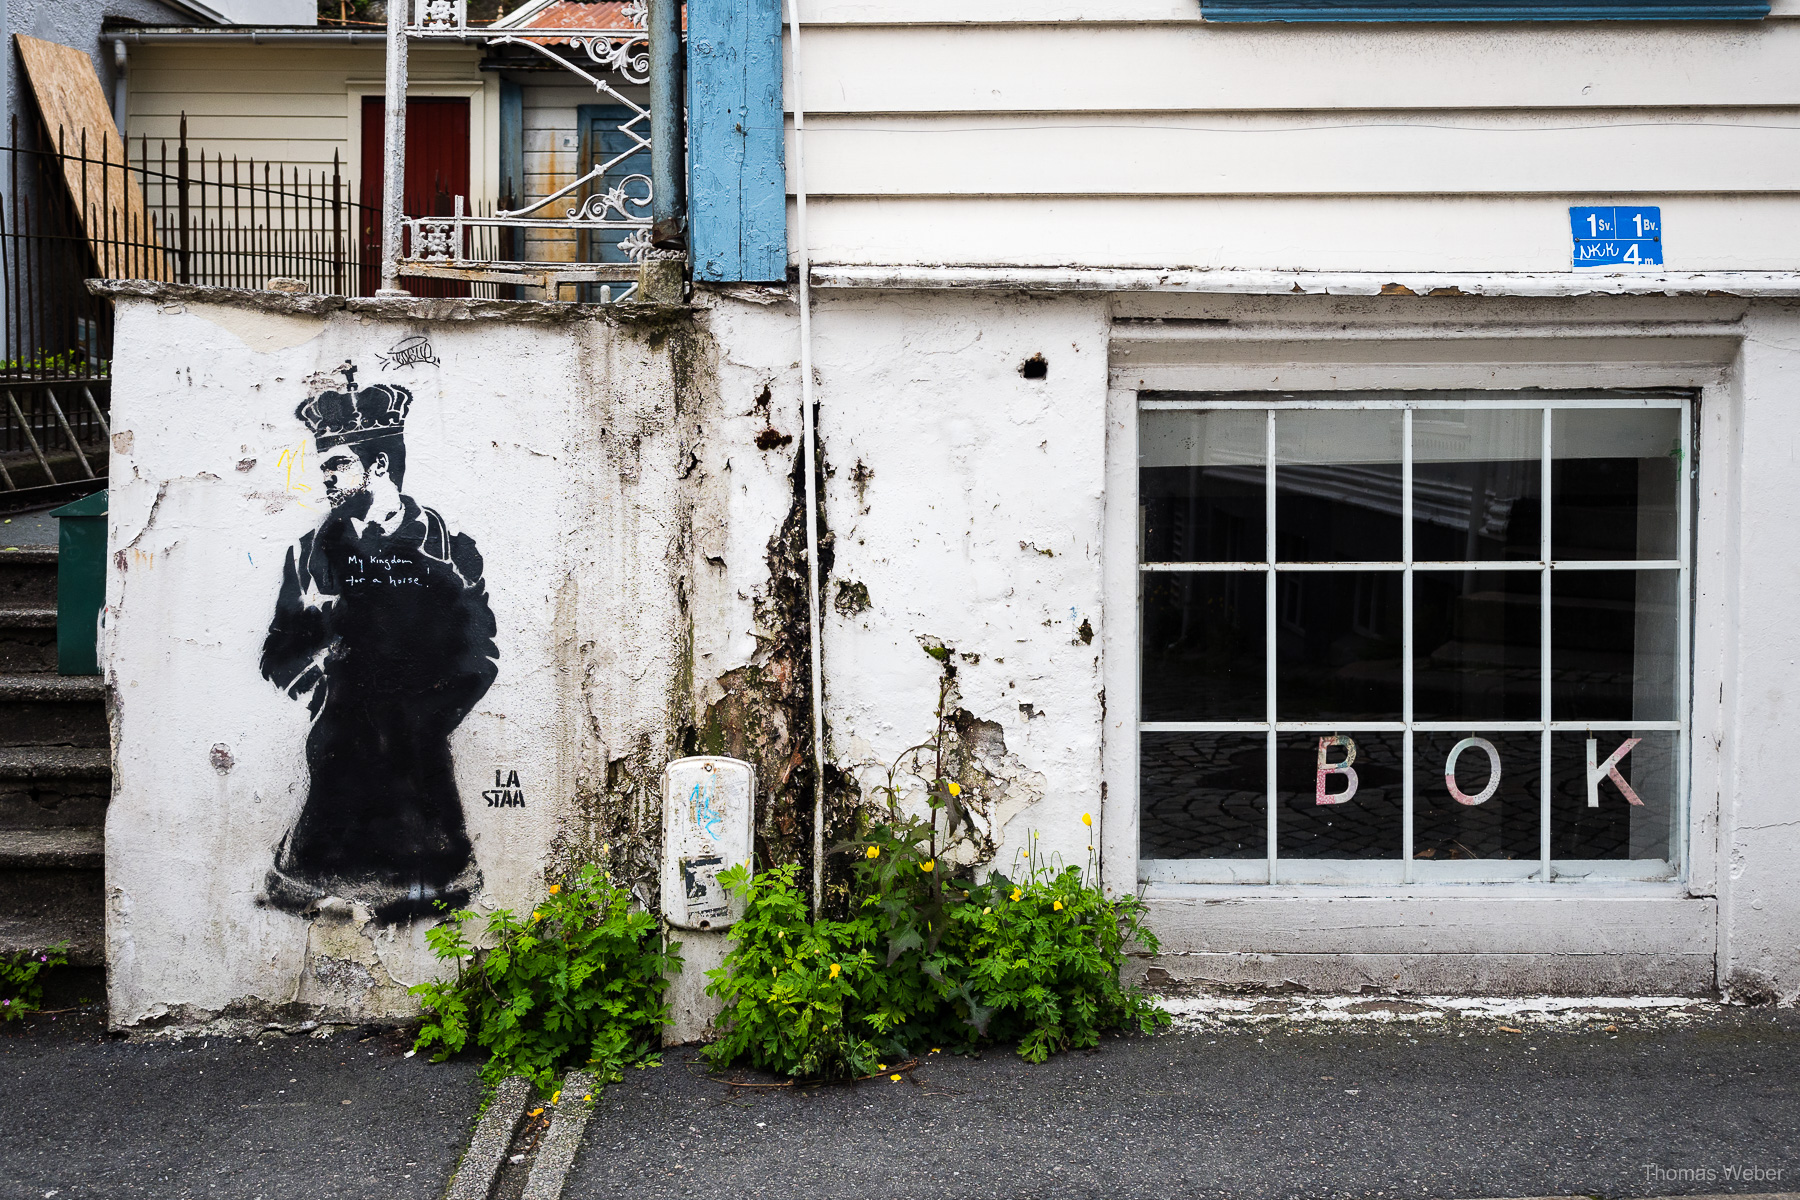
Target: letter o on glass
[(1493, 782)]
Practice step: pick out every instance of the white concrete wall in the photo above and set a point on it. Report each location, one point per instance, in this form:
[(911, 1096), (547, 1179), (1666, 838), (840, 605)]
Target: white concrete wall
[(208, 492), (628, 489), (626, 494), (1756, 648), (976, 523), (1135, 134)]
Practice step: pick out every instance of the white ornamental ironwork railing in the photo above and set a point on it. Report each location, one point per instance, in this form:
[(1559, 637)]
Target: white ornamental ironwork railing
[(438, 245)]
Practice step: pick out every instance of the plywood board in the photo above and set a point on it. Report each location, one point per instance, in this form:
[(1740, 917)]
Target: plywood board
[(108, 198)]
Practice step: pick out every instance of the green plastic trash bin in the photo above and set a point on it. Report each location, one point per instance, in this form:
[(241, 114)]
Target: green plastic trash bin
[(80, 584)]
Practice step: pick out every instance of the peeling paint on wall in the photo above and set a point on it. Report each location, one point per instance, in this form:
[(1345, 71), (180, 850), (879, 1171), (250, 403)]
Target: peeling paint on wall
[(586, 571), (761, 712)]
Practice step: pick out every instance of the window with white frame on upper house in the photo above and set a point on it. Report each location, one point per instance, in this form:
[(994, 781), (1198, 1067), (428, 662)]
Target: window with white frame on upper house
[(1413, 636)]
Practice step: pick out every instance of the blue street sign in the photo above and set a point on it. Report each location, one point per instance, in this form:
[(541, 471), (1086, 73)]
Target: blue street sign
[(1628, 238)]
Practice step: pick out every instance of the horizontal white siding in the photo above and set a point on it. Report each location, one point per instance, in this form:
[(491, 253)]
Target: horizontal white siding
[(1365, 153), (295, 105), (1116, 67), (552, 146), (1032, 12), (1133, 134), (1299, 233)]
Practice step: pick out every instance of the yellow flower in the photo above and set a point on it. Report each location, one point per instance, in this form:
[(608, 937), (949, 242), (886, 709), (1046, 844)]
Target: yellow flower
[(1016, 893), (874, 851), (1087, 819), (934, 1049), (881, 1066), (537, 916), (555, 888), (589, 1097), (927, 865), (836, 970), (1057, 907), (955, 789), (536, 1112), (987, 910), (895, 1078), (555, 1096)]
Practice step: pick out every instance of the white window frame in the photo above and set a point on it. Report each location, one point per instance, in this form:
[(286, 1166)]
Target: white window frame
[(1407, 869), (1516, 348)]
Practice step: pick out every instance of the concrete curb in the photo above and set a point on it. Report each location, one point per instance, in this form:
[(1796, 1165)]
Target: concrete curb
[(474, 1178), (556, 1153)]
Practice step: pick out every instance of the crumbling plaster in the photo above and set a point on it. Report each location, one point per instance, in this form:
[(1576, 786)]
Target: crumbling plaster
[(964, 501), (631, 480), (213, 478)]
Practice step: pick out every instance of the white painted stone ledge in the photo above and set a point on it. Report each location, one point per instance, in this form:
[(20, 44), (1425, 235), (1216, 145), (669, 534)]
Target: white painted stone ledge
[(1758, 284)]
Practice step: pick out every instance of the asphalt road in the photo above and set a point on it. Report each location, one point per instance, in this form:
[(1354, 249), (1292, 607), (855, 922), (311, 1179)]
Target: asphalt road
[(86, 1115), (1306, 1110), (1302, 1112)]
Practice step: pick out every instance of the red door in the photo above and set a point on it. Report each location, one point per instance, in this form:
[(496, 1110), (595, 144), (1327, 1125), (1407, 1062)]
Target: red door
[(437, 171)]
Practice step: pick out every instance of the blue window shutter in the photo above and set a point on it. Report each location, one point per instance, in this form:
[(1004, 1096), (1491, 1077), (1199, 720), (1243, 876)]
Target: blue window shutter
[(1483, 10), (737, 177)]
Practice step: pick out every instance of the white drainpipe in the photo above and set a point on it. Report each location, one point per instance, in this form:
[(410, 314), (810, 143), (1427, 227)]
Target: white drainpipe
[(809, 449)]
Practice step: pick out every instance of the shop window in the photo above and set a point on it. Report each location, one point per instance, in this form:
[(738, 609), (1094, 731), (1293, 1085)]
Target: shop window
[(1413, 636)]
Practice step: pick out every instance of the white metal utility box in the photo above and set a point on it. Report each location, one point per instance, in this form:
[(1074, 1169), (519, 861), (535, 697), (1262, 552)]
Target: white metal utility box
[(707, 807)]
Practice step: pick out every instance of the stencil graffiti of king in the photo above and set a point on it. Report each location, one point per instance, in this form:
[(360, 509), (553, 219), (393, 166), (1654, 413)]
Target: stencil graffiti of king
[(383, 629)]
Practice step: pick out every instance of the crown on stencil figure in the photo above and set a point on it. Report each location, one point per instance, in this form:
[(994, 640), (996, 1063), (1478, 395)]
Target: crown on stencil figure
[(337, 411)]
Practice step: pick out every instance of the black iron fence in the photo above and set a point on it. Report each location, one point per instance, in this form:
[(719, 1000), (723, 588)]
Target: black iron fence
[(74, 210)]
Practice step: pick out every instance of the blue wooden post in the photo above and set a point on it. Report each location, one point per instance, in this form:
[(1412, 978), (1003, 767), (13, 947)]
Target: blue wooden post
[(737, 180), (512, 143)]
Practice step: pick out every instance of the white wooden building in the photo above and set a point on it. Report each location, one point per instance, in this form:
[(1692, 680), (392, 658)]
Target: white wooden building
[(1409, 606), (1235, 240)]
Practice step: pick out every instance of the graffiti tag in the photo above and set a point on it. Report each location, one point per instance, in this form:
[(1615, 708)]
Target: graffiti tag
[(409, 352), (704, 816), (291, 460)]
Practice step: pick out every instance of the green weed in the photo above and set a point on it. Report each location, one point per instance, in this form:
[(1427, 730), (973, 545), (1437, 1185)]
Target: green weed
[(577, 982), (21, 991)]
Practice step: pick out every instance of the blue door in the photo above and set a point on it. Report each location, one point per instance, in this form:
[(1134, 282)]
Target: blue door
[(604, 144)]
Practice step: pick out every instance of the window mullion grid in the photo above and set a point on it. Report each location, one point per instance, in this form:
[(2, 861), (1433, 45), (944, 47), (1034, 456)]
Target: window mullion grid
[(1685, 482), (1544, 687), (1271, 619), (1406, 644)]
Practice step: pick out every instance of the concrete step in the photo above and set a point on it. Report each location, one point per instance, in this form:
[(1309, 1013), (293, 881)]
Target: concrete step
[(54, 787), (55, 775), (27, 641), (41, 906), (39, 617), (38, 764), (28, 578), (44, 849), (53, 710)]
